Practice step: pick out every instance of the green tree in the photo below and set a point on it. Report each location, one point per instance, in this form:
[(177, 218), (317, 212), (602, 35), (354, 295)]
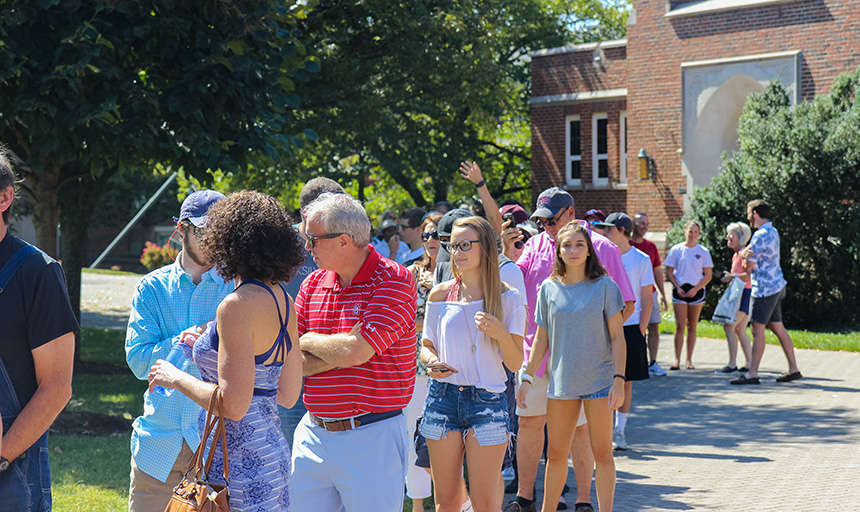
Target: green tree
[(805, 161), (409, 89), (89, 89)]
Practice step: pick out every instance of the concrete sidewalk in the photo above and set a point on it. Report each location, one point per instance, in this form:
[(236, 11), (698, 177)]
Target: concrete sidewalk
[(699, 443)]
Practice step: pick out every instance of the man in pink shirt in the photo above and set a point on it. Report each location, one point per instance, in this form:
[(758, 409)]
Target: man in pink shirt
[(554, 209)]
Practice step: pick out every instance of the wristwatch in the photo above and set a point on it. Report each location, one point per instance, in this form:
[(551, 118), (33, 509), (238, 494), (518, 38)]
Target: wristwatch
[(4, 464)]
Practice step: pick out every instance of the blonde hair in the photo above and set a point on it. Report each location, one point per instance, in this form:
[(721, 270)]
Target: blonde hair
[(491, 283), (741, 230)]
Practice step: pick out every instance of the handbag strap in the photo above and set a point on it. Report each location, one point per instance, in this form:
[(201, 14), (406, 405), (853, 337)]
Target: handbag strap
[(197, 459), (216, 401)]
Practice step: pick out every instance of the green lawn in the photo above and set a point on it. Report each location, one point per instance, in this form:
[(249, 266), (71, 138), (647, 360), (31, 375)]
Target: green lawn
[(108, 271), (845, 341)]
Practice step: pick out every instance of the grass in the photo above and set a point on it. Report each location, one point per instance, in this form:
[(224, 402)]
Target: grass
[(846, 341), (108, 272)]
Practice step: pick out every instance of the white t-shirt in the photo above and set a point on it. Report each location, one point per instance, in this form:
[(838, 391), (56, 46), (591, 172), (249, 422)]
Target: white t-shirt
[(689, 263), (382, 249), (452, 329), (511, 274), (640, 273)]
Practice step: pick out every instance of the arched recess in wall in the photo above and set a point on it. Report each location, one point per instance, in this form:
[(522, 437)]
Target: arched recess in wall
[(716, 128)]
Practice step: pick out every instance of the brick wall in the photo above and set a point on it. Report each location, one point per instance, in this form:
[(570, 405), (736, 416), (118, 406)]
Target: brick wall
[(827, 32)]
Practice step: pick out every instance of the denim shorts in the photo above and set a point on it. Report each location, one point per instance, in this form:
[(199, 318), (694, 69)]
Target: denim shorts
[(465, 408), (603, 393)]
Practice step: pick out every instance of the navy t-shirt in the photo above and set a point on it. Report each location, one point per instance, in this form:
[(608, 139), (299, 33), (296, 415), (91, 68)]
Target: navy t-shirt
[(34, 309)]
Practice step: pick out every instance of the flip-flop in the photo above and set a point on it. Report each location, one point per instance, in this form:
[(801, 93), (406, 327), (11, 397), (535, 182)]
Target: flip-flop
[(743, 379), (788, 377), (674, 368)]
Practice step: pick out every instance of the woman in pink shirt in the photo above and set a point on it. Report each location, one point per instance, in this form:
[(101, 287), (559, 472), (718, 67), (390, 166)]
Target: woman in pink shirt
[(737, 236)]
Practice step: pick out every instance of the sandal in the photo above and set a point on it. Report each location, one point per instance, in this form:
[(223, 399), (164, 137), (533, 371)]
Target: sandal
[(743, 379), (788, 377)]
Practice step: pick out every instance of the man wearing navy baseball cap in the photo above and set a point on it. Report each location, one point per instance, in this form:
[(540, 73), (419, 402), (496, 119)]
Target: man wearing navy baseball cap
[(171, 307)]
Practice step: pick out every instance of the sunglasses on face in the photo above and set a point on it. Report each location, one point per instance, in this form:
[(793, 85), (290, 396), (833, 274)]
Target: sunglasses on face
[(464, 246), (549, 223), (431, 234), (312, 239), (199, 232)]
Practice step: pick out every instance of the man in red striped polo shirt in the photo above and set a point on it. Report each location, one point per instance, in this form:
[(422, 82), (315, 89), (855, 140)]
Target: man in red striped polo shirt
[(356, 319)]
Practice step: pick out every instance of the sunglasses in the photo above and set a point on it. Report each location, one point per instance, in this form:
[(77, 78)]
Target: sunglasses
[(549, 223), (312, 239), (199, 232), (431, 234), (464, 246)]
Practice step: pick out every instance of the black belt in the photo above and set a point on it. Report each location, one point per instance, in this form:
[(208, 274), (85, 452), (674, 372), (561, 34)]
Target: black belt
[(354, 422)]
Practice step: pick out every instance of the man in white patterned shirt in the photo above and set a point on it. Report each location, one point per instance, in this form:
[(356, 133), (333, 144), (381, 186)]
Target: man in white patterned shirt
[(170, 304), (768, 291)]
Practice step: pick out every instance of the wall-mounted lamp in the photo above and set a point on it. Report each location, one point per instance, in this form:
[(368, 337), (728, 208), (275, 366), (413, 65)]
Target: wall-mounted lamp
[(646, 165), (598, 58)]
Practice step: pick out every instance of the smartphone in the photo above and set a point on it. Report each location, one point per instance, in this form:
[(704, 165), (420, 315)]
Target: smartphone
[(510, 218), (441, 367)]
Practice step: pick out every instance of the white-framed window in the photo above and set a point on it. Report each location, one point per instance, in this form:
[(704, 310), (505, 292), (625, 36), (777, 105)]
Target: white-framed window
[(622, 150), (600, 149), (572, 150)]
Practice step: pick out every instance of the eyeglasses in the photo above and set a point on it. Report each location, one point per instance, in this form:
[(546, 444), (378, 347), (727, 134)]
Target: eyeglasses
[(550, 223), (312, 239), (464, 246), (430, 234), (199, 232)]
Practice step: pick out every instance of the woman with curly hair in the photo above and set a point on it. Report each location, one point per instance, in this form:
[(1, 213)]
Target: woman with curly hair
[(248, 349)]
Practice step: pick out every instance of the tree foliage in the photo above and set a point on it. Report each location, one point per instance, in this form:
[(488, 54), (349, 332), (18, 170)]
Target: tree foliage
[(805, 162), (409, 89)]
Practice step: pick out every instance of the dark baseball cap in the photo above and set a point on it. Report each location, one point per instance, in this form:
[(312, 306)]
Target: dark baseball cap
[(196, 205), (618, 220), (446, 223), (551, 201), (594, 212)]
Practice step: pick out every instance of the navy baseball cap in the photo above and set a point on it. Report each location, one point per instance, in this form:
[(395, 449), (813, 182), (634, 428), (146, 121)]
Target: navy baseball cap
[(196, 205), (551, 201), (618, 220), (446, 223)]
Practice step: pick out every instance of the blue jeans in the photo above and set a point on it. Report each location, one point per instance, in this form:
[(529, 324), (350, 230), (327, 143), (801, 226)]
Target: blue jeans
[(464, 408), (26, 484), (291, 417)]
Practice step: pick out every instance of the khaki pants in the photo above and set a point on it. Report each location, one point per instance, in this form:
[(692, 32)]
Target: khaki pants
[(148, 494)]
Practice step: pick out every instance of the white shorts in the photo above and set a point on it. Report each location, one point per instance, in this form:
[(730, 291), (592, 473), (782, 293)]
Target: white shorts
[(536, 400)]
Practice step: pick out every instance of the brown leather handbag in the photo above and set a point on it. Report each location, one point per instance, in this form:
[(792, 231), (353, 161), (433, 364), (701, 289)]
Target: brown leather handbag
[(195, 493)]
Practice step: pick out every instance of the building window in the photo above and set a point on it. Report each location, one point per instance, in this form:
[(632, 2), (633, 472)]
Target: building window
[(623, 149), (573, 151), (600, 149)]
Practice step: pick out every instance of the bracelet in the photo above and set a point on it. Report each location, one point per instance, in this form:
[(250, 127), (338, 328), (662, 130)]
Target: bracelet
[(622, 377), (480, 183), (525, 377)]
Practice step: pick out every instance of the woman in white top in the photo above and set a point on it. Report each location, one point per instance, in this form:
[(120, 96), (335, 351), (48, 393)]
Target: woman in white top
[(473, 328), (689, 268)]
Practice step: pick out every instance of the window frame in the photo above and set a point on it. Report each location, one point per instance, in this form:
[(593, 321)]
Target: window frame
[(568, 157), (596, 157)]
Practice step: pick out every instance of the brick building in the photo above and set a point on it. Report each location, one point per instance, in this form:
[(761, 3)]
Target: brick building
[(675, 88)]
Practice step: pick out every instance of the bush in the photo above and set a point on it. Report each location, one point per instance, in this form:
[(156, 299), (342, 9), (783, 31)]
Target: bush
[(155, 256), (805, 162)]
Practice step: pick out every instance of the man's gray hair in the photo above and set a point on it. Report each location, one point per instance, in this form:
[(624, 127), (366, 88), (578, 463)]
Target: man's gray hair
[(7, 179), (340, 213)]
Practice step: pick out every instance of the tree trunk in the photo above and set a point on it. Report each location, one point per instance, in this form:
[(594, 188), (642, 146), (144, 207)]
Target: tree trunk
[(46, 208)]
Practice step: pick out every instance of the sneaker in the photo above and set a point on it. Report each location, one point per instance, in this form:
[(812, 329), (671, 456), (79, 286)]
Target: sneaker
[(654, 369), (727, 370), (514, 506), (583, 507), (743, 369), (618, 441), (467, 507)]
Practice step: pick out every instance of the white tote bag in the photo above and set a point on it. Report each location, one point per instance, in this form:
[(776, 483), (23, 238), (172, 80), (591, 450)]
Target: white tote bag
[(730, 302)]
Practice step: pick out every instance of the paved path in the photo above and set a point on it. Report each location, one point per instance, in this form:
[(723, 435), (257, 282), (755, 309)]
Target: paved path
[(698, 443)]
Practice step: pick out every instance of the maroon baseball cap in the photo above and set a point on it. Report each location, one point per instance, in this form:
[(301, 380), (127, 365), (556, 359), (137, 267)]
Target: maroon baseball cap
[(594, 212)]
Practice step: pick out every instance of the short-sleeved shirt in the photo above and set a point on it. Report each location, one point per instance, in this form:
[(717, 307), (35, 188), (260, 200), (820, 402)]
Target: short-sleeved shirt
[(34, 310), (452, 329), (649, 248), (767, 274), (536, 264), (580, 349), (641, 273), (738, 267), (689, 263), (382, 297)]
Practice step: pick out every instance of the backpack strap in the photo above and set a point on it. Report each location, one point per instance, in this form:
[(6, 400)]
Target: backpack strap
[(14, 263)]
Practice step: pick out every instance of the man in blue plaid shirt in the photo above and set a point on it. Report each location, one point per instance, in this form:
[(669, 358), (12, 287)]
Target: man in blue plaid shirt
[(170, 304)]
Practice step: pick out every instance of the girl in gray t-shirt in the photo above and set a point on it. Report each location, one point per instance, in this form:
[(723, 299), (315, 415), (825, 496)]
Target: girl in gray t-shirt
[(578, 313)]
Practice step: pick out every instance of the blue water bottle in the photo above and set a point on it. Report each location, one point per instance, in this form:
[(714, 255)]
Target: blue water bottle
[(177, 358)]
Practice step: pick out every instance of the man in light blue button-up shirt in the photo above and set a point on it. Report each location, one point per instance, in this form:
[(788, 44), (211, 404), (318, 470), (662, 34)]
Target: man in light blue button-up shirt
[(768, 291), (171, 303)]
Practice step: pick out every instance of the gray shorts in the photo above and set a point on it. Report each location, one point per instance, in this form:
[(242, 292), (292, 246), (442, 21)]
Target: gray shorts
[(767, 309), (655, 309)]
